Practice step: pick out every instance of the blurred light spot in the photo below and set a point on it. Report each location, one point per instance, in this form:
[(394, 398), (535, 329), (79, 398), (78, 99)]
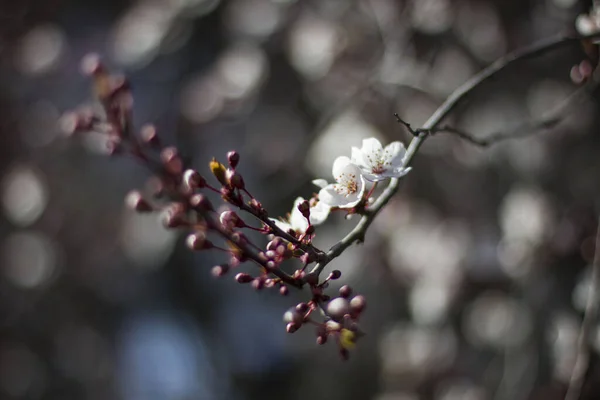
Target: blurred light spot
[(525, 215), (40, 50), (479, 27), (163, 357), (194, 7), (583, 289), (139, 33), (451, 69), (201, 100), (406, 349), (145, 241), (460, 390), (258, 18), (24, 195), (40, 124), (564, 335), (431, 16), (496, 320), (348, 128), (313, 46), (515, 257), (397, 396), (21, 372), (82, 354), (29, 259), (429, 301), (96, 142), (565, 4), (429, 249), (240, 71)]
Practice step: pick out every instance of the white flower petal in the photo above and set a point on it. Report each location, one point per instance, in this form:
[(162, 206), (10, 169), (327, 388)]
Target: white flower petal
[(371, 146), (373, 177), (320, 183), (340, 165), (394, 153), (357, 157), (319, 213)]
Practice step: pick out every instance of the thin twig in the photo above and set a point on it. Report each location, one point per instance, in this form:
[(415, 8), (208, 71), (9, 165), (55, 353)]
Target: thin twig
[(590, 318), (548, 121), (536, 49)]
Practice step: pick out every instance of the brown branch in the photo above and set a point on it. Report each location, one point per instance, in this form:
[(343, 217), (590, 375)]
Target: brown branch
[(590, 319), (534, 50), (548, 121)]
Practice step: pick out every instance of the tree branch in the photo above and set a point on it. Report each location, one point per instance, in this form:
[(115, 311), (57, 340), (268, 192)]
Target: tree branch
[(590, 318), (534, 50), (548, 121)]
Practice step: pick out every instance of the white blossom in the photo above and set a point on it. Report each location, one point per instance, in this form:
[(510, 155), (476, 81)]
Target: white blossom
[(350, 186), (378, 163), (298, 223)]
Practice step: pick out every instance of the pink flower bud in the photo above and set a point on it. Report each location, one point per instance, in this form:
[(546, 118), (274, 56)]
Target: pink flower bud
[(233, 158)]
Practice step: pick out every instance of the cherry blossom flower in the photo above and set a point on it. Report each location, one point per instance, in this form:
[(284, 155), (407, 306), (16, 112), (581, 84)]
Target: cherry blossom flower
[(377, 163), (298, 223), (350, 186)]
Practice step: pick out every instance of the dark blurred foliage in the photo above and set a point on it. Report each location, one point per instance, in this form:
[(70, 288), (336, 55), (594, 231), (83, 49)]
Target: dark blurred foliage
[(475, 273)]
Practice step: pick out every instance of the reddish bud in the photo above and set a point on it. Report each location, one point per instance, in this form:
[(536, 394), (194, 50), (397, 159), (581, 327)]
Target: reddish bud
[(321, 339), (171, 160), (304, 209), (243, 278), (291, 327), (284, 291), (302, 308), (337, 308), (233, 158), (201, 203), (136, 202), (91, 64), (174, 215), (345, 291), (234, 179), (274, 244), (269, 283), (192, 180), (335, 274), (293, 316), (219, 270), (149, 136), (358, 304), (258, 283), (230, 220), (198, 241)]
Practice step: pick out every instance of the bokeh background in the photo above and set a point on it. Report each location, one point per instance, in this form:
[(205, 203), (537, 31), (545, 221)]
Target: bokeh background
[(476, 273)]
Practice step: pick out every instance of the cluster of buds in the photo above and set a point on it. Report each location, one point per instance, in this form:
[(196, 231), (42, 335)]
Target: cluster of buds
[(181, 194), (343, 313)]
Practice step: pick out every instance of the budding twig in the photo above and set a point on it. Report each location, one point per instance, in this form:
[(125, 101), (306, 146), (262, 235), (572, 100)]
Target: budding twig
[(534, 50)]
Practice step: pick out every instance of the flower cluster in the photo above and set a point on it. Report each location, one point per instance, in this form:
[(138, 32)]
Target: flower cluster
[(182, 196), (371, 163)]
